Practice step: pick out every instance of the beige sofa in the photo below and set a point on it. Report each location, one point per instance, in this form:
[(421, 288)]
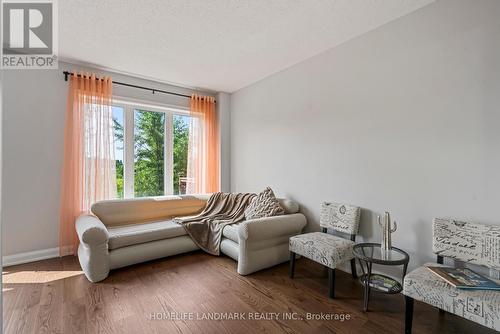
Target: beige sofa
[(129, 231)]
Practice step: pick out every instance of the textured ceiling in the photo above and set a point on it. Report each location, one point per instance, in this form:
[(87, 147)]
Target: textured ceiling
[(221, 45)]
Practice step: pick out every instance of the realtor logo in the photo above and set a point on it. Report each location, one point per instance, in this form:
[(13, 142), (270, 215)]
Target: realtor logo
[(29, 34)]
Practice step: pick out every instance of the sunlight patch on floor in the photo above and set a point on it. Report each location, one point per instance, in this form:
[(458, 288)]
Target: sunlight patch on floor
[(38, 276)]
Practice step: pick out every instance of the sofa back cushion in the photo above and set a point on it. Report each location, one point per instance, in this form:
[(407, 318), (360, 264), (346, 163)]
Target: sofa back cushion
[(289, 206), (143, 210), (465, 241)]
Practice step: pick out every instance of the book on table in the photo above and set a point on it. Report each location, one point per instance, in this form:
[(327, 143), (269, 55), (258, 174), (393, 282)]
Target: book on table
[(464, 278), (381, 282)]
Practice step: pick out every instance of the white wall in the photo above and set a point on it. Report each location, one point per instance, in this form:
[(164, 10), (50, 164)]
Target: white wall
[(1, 222), (34, 110), (405, 118), (224, 111)]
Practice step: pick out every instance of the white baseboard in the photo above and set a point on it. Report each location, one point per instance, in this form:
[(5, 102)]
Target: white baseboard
[(20, 258)]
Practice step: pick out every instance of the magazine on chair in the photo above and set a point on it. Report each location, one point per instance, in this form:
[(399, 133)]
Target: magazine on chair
[(463, 278)]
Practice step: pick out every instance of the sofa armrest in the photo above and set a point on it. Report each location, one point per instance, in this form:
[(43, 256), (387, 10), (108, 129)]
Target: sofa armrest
[(93, 250), (272, 227), (91, 230)]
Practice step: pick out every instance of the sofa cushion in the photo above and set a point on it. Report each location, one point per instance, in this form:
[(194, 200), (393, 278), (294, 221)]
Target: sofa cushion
[(289, 206), (481, 306), (264, 205), (133, 234), (231, 232), (147, 209)]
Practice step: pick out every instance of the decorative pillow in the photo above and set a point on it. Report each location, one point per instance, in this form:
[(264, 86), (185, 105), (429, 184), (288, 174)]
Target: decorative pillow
[(264, 205)]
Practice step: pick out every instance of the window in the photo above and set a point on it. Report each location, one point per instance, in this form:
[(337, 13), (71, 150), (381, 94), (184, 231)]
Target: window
[(149, 153), (181, 141), (151, 149), (118, 114)]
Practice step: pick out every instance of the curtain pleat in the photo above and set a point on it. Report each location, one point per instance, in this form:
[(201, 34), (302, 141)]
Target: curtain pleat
[(88, 173), (203, 168)]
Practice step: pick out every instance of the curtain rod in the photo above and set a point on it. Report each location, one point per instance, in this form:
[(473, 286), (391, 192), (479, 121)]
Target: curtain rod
[(154, 90)]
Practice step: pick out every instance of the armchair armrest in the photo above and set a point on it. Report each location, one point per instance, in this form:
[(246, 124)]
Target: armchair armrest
[(272, 227), (91, 230)]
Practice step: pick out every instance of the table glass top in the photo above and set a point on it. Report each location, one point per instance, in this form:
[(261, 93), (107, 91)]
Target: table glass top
[(373, 251)]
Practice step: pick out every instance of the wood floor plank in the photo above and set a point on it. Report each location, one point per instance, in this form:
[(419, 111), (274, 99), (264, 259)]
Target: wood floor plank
[(74, 316), (25, 310), (53, 296), (50, 315)]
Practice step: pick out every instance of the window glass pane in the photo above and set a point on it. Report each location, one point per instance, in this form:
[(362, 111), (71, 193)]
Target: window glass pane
[(180, 138), (118, 122), (149, 167)]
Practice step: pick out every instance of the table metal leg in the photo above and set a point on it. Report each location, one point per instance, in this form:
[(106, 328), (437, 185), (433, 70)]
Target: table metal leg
[(405, 267), (362, 266), (367, 285)]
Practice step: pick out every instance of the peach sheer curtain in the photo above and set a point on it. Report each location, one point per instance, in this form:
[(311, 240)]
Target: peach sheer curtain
[(88, 173), (203, 147)]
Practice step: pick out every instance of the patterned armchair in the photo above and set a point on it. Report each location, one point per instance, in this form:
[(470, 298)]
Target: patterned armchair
[(469, 242), (326, 249)]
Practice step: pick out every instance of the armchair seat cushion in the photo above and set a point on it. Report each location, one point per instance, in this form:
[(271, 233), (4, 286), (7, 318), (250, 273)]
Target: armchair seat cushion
[(231, 232), (327, 249), (481, 306), (127, 235)]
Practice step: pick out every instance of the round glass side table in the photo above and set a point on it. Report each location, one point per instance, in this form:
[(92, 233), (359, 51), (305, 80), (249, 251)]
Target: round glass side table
[(370, 253)]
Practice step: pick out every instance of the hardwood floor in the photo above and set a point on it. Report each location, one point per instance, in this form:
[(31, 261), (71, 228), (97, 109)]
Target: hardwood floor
[(53, 296)]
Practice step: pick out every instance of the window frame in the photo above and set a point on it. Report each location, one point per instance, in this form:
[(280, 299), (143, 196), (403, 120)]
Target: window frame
[(129, 105)]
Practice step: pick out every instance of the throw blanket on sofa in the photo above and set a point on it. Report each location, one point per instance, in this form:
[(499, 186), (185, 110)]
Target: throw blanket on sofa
[(221, 209)]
